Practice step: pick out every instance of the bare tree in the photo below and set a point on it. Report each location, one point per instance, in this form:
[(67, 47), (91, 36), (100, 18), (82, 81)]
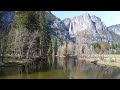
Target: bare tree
[(83, 43), (31, 44)]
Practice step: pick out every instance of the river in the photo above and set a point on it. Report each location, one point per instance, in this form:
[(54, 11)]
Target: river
[(60, 68)]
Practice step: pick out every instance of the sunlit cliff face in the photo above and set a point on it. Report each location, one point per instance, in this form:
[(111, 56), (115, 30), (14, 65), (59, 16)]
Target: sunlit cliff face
[(71, 27), (90, 23)]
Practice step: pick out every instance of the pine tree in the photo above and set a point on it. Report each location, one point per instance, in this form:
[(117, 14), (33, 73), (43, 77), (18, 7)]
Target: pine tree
[(33, 30), (3, 37)]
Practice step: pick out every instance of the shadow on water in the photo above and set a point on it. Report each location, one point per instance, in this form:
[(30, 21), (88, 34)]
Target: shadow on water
[(55, 67)]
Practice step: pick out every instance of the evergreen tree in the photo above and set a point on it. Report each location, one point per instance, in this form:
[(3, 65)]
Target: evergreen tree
[(35, 32), (112, 46), (3, 37), (54, 45)]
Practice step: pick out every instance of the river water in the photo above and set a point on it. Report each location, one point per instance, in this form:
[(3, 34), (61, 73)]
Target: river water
[(60, 68)]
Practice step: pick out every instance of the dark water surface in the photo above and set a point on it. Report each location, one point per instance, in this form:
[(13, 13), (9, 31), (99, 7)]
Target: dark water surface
[(60, 68)]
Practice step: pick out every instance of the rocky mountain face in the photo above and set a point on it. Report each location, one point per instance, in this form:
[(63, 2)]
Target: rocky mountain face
[(69, 28), (72, 34), (59, 28), (91, 24), (115, 32), (115, 29), (6, 19)]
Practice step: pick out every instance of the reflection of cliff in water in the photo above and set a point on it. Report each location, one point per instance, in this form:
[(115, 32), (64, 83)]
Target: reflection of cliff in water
[(74, 68), (36, 66), (54, 67), (82, 69)]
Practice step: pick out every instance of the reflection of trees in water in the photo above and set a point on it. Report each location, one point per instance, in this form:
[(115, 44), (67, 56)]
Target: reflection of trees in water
[(68, 65), (60, 62), (74, 66), (1, 71), (35, 67), (52, 62), (38, 66), (28, 68), (96, 71), (55, 62), (8, 71)]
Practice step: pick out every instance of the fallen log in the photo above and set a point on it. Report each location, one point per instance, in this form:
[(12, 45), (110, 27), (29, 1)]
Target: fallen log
[(94, 62)]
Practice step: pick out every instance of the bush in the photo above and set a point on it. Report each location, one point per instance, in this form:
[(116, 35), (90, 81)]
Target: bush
[(102, 47), (105, 46)]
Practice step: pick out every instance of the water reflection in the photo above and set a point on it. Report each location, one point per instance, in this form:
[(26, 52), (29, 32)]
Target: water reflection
[(61, 68)]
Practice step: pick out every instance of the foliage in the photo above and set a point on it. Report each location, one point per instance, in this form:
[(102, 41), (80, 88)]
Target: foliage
[(104, 47), (31, 36), (54, 45), (115, 45), (3, 37), (49, 16), (101, 47)]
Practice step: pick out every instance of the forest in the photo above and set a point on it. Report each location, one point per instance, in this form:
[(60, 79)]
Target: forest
[(38, 44), (29, 38)]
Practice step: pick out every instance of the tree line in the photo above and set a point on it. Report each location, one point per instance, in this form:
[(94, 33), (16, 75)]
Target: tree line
[(28, 38)]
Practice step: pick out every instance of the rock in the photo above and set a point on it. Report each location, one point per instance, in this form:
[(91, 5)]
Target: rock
[(94, 62), (92, 24), (115, 32), (7, 17), (70, 27), (115, 29)]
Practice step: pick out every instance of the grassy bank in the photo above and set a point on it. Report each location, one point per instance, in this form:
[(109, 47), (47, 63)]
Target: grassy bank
[(12, 62), (109, 60)]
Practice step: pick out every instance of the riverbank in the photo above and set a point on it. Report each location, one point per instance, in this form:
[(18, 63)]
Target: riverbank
[(107, 60), (13, 62)]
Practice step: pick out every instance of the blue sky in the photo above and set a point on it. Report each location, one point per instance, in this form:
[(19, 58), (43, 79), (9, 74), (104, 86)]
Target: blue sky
[(108, 17)]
